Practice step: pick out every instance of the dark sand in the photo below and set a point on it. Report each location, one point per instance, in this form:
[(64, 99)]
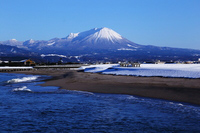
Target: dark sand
[(175, 89)]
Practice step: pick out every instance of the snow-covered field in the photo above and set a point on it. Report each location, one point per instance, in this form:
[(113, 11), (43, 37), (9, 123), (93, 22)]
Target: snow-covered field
[(163, 70), (7, 67)]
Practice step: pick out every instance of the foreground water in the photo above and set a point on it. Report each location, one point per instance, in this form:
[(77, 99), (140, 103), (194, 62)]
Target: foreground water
[(26, 107)]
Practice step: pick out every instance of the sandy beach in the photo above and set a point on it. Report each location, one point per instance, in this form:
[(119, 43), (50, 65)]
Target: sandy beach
[(175, 89)]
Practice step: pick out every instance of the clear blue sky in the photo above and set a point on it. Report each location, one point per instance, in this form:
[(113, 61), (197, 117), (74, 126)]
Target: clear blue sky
[(173, 23)]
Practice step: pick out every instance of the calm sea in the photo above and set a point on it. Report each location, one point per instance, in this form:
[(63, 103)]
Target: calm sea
[(27, 107)]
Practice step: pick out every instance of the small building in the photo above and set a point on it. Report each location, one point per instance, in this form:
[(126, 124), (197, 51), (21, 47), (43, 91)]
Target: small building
[(125, 64), (189, 62), (135, 64), (159, 62), (130, 64), (28, 62)]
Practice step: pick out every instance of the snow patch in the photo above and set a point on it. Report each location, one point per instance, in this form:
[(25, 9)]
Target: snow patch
[(131, 46), (63, 56), (128, 49), (72, 36), (13, 40), (31, 41), (49, 44)]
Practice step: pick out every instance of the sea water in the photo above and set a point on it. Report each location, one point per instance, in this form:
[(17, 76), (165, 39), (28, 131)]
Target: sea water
[(27, 107)]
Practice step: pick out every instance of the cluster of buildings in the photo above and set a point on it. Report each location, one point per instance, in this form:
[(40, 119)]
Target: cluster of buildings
[(130, 64), (26, 62), (174, 62), (29, 62)]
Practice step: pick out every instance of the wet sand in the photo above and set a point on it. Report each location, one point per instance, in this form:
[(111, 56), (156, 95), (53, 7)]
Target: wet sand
[(175, 89)]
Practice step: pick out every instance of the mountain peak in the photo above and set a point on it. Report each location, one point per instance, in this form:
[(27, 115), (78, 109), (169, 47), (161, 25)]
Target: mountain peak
[(73, 35), (95, 34), (105, 33), (101, 28), (105, 28), (30, 41), (13, 40)]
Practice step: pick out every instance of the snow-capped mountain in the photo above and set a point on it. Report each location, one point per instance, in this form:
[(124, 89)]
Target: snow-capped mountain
[(94, 39), (95, 35), (12, 42), (102, 44), (98, 38)]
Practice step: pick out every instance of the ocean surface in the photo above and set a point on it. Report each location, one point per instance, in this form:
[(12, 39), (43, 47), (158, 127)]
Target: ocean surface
[(27, 107)]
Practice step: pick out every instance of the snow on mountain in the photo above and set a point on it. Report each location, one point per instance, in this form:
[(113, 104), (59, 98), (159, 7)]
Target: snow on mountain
[(103, 44), (28, 43), (63, 56), (128, 49), (104, 33), (72, 36), (95, 34), (51, 43), (97, 38), (131, 46), (31, 41), (12, 42)]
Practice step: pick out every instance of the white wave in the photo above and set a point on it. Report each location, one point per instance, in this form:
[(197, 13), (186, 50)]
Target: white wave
[(24, 79), (24, 88), (81, 92), (131, 97), (97, 68), (180, 104)]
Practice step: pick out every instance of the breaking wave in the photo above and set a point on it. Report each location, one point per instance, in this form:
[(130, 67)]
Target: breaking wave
[(24, 79), (24, 88), (79, 92)]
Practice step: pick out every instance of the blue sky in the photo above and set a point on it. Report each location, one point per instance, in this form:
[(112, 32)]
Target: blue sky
[(173, 23)]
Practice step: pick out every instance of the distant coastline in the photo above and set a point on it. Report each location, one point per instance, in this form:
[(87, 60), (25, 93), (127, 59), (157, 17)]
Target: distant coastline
[(175, 89)]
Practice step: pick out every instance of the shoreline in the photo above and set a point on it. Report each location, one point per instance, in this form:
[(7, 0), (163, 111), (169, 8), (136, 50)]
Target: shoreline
[(174, 89)]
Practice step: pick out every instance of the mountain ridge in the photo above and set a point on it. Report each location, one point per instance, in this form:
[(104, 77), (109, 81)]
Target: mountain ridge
[(14, 53), (103, 44)]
